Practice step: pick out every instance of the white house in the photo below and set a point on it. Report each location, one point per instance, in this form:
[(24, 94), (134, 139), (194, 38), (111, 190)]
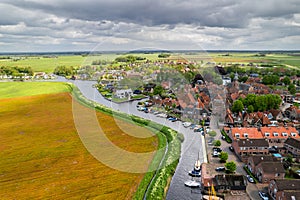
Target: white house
[(123, 93)]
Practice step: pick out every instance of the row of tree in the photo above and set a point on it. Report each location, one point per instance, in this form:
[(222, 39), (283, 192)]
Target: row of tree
[(129, 58), (255, 103), (279, 71), (16, 71), (64, 71)]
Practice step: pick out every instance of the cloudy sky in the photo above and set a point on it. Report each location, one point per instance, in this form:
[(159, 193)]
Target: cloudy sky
[(76, 25)]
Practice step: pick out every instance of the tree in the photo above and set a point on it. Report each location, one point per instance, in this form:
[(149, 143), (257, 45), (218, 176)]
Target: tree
[(292, 89), (223, 156), (270, 79), (217, 143), (158, 90), (286, 80), (250, 109), (237, 106), (230, 166), (231, 76), (212, 133)]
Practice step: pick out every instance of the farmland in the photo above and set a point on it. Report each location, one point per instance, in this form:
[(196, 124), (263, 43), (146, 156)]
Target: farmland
[(49, 63), (42, 156), (19, 89)]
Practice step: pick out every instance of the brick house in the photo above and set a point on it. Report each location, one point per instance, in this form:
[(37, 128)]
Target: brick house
[(248, 147), (292, 146), (284, 189), (266, 171), (254, 160)]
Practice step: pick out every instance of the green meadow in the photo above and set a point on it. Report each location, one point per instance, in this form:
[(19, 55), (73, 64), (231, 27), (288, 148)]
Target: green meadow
[(20, 89)]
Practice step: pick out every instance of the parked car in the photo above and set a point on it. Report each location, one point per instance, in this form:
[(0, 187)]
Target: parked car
[(198, 129), (172, 119), (210, 141), (141, 108), (192, 126), (220, 169), (215, 154), (250, 179), (217, 149), (223, 137), (186, 124), (263, 195), (231, 148)]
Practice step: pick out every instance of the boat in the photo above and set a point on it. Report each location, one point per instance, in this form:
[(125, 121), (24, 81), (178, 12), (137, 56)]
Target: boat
[(196, 172), (192, 183), (209, 197), (212, 195)]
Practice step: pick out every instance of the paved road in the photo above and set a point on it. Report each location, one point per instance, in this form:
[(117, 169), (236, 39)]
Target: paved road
[(191, 147)]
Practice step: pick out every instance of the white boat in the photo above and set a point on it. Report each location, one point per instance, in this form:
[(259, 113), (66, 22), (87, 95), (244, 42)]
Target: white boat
[(192, 183), (209, 197), (196, 172)]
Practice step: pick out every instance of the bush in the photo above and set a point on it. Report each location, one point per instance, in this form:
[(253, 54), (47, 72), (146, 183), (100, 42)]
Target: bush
[(217, 143), (223, 156), (227, 138), (212, 133), (230, 166)]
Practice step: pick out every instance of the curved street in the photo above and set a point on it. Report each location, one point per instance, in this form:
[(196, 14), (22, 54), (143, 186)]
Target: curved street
[(193, 144)]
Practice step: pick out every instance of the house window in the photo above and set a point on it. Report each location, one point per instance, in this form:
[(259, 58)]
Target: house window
[(275, 134), (267, 134), (284, 134), (237, 135), (246, 135), (293, 134)]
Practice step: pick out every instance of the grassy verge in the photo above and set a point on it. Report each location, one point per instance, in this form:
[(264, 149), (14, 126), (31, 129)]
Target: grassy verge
[(227, 138), (171, 159), (248, 172)]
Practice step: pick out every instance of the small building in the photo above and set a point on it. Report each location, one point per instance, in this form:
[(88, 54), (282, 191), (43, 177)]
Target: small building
[(231, 186), (248, 147), (123, 93), (284, 189)]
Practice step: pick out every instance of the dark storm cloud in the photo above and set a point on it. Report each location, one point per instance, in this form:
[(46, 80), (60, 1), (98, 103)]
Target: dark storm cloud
[(213, 24), (156, 12)]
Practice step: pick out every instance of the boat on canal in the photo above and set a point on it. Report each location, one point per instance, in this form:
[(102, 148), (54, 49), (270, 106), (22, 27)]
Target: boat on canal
[(196, 172)]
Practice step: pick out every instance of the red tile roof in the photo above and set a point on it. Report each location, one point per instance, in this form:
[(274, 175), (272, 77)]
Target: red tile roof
[(243, 133), (279, 132)]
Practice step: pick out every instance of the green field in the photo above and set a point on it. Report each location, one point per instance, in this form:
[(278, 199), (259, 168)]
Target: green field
[(42, 64), (19, 89), (42, 156), (48, 64)]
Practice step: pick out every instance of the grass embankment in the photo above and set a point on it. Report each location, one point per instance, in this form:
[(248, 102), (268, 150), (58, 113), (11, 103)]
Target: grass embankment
[(42, 156)]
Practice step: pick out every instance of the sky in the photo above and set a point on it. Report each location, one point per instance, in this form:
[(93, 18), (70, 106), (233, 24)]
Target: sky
[(110, 25)]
